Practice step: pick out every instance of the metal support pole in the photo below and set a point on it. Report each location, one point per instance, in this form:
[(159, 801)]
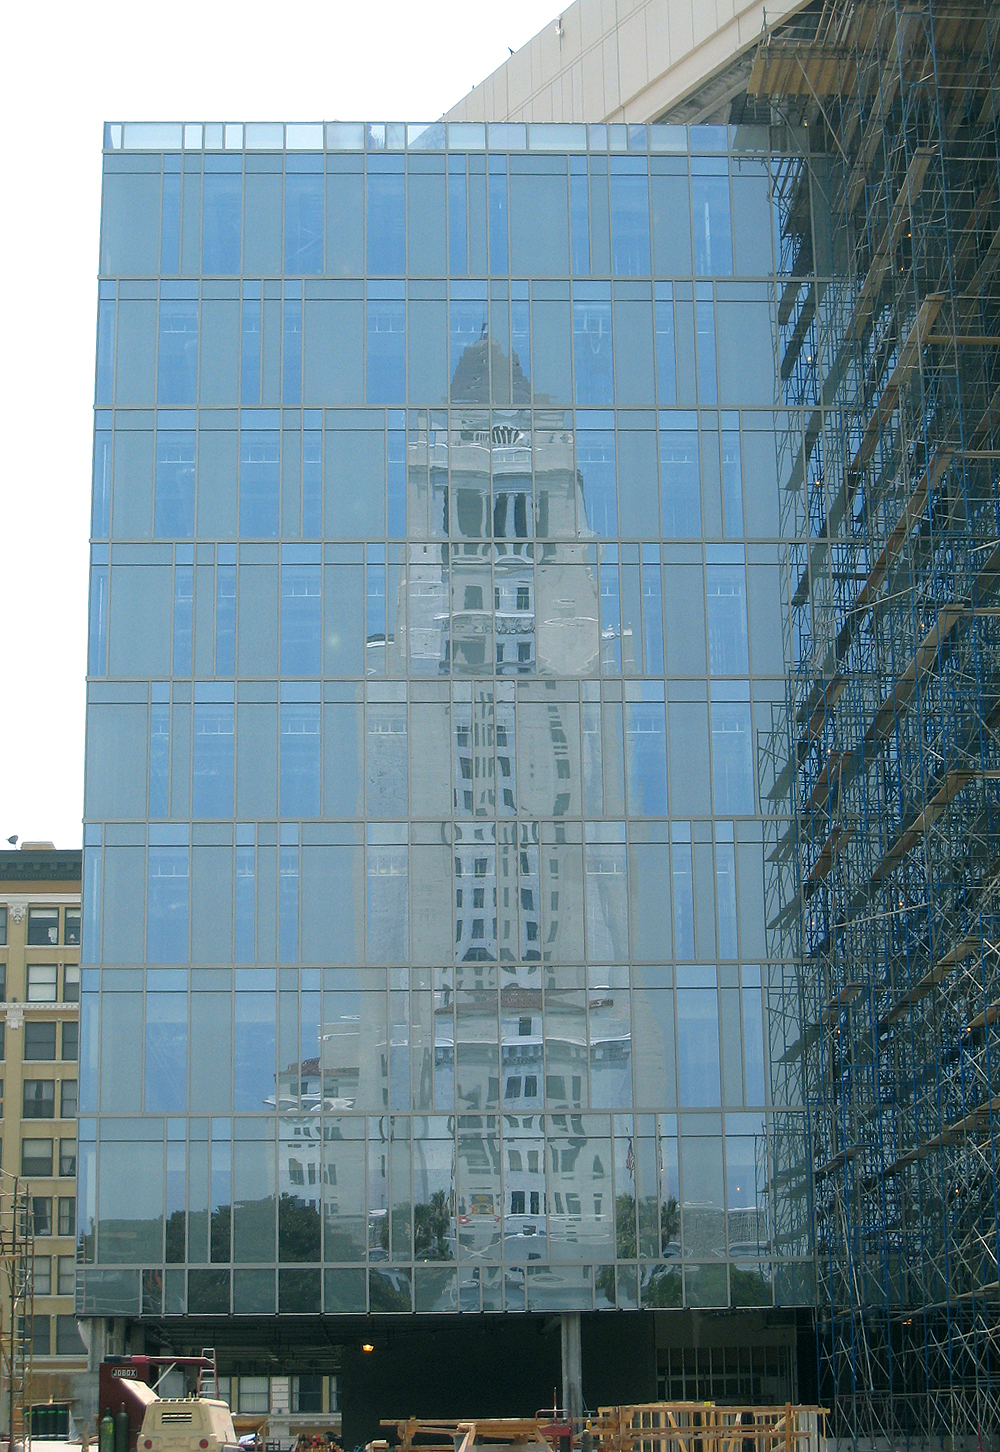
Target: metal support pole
[(572, 1363), (13, 1311)]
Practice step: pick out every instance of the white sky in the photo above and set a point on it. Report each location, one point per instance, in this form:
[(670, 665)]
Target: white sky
[(69, 67)]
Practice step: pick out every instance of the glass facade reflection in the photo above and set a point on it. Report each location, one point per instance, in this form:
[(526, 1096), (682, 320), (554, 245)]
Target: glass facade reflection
[(435, 605)]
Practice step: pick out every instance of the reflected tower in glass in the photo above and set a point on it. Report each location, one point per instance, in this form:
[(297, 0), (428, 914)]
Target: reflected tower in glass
[(435, 606)]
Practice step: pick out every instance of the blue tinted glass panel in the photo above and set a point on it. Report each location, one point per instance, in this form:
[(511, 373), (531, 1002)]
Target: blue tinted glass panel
[(595, 457), (300, 760), (97, 645), (666, 353), (680, 481), (250, 341), (498, 223), (713, 235), (213, 760), (166, 1053), (255, 1048), (520, 342), (726, 595), (698, 1047), (105, 353), (220, 235), (708, 387), (646, 747), (246, 893), (732, 758), (683, 889), (259, 483), (183, 618), (630, 226), (301, 625), (159, 759), (312, 483), (386, 224), (225, 620), (303, 223), (458, 228), (592, 352), (177, 369), (167, 905), (101, 507), (579, 224), (652, 618), (386, 362), (170, 231), (611, 622), (291, 361), (375, 619), (288, 904), (396, 481), (469, 352), (173, 515), (732, 482)]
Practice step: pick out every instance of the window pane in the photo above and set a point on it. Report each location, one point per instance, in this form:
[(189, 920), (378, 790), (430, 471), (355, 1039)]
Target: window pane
[(178, 352), (173, 515), (304, 223), (39, 1099), (43, 926), (259, 473), (36, 1159), (592, 352), (42, 982), (39, 1040), (220, 238)]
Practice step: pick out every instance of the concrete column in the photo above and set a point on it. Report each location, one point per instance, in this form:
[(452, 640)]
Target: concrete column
[(572, 1363)]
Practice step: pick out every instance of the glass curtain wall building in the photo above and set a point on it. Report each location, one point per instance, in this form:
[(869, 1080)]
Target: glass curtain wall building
[(435, 603)]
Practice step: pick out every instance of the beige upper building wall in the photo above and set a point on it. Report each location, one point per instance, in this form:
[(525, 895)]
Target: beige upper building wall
[(620, 60)]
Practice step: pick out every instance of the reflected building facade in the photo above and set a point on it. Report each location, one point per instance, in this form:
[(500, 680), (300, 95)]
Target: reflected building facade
[(435, 604)]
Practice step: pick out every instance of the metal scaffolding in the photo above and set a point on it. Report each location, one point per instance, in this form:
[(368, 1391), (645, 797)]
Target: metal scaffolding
[(17, 1299), (884, 764)]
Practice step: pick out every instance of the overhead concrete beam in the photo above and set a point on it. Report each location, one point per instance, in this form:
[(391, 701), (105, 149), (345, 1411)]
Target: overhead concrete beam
[(626, 61)]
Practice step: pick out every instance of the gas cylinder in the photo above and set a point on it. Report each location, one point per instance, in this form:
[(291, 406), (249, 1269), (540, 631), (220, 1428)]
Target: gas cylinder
[(107, 1432), (121, 1430)]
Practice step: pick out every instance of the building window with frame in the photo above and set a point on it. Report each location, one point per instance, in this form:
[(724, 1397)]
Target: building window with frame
[(39, 1100), (41, 1339), (307, 1393), (36, 1160), (3, 927), (67, 1157), (3, 982), (42, 982), (66, 1282), (71, 927), (70, 1041), (71, 983), (42, 1275), (41, 1211), (43, 926), (67, 1215), (68, 1339), (40, 1039), (255, 1394), (68, 1099)]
